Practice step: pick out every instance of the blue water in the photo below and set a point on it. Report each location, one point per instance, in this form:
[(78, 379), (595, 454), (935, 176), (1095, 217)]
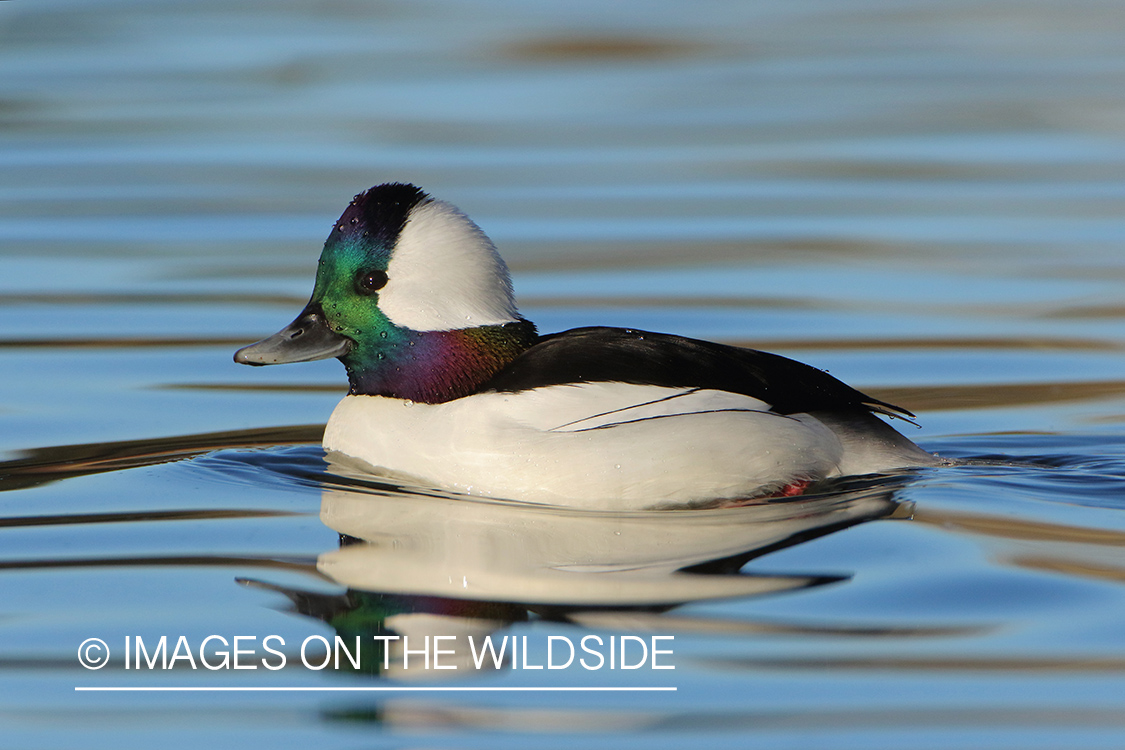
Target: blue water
[(925, 199)]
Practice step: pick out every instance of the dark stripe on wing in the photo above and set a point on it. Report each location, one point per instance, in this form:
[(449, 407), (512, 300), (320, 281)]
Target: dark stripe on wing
[(619, 355), (626, 408), (772, 414)]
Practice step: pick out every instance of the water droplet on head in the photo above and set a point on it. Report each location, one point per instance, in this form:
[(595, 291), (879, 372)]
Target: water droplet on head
[(408, 403), (382, 334)]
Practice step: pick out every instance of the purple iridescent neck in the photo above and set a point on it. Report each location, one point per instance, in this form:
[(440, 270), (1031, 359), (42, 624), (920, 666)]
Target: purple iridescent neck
[(435, 366)]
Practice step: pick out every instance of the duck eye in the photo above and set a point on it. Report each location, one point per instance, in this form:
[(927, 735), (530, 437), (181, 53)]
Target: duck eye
[(370, 282)]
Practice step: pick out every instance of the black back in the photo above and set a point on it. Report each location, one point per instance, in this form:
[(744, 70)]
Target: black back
[(619, 355)]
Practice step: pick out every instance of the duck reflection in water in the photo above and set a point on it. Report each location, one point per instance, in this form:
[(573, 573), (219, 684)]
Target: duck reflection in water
[(417, 562)]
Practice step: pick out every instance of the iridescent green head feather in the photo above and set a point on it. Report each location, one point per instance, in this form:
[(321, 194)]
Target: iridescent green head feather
[(411, 296)]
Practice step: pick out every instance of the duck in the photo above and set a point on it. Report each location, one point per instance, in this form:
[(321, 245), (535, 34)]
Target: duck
[(451, 388)]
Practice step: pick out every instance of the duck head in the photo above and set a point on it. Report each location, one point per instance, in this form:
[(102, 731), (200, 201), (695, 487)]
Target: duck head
[(411, 296)]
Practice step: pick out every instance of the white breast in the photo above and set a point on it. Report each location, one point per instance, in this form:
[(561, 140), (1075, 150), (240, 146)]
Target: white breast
[(596, 445)]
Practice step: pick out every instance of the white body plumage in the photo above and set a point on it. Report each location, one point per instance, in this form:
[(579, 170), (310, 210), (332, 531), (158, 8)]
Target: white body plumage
[(610, 445)]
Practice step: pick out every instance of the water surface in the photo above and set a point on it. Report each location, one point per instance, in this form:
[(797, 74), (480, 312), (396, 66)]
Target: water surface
[(925, 199)]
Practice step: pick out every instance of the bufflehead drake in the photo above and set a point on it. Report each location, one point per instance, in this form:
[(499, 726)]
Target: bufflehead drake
[(449, 385)]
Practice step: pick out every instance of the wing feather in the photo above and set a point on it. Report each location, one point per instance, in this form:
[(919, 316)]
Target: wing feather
[(619, 355)]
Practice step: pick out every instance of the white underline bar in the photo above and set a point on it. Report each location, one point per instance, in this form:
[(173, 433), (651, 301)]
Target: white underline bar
[(106, 689)]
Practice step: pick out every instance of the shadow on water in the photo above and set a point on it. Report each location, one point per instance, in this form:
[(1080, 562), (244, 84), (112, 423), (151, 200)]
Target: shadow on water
[(38, 466), (41, 466)]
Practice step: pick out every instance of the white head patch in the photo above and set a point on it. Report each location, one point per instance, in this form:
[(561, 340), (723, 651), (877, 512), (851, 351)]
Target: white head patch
[(445, 274)]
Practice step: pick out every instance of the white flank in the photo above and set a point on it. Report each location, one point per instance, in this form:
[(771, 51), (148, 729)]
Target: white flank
[(445, 274), (598, 445)]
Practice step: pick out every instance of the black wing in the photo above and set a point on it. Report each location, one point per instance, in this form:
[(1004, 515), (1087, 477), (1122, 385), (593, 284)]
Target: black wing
[(619, 355)]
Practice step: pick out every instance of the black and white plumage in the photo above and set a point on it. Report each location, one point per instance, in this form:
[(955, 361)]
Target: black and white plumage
[(451, 387), (599, 354)]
